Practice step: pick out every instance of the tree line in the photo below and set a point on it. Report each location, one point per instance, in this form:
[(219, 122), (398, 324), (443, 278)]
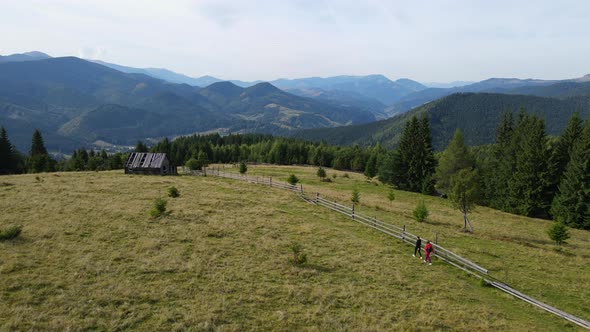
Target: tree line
[(39, 160), (524, 172)]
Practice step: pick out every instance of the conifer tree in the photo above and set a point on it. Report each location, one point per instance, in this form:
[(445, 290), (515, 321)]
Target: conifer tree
[(7, 154), (39, 160), (529, 182), (371, 166), (140, 147), (502, 165), (427, 160), (561, 151), (37, 145), (572, 203)]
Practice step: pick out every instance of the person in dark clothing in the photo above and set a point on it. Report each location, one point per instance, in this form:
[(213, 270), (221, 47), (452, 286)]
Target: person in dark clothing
[(418, 248)]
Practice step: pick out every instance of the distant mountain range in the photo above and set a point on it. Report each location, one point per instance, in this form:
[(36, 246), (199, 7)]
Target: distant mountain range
[(76, 102), (29, 56)]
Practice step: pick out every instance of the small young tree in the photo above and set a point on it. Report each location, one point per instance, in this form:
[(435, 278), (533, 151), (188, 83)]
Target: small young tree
[(420, 212), (558, 232), (243, 168), (464, 193), (391, 196), (159, 207), (356, 196), (292, 179), (173, 192), (299, 258), (321, 173)]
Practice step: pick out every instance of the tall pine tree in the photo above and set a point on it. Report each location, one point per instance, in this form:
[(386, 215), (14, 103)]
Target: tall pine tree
[(499, 173), (561, 151), (7, 154), (39, 160), (412, 166), (572, 203), (529, 184)]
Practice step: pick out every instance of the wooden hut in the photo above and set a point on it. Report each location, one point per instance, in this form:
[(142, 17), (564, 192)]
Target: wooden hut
[(149, 164)]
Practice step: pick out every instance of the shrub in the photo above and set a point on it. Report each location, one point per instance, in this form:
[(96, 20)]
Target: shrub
[(391, 196), (194, 164), (243, 168), (346, 175), (334, 175), (558, 232), (299, 258), (173, 192), (292, 179), (356, 196), (420, 212), (159, 207), (321, 173), (10, 233)]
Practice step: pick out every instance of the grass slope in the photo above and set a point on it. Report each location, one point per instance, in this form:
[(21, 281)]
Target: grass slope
[(91, 258)]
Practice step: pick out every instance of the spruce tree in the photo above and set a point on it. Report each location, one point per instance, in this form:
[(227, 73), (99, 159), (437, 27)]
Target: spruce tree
[(7, 154), (571, 205), (37, 145), (561, 151), (530, 179), (39, 160), (426, 156), (371, 166), (502, 165)]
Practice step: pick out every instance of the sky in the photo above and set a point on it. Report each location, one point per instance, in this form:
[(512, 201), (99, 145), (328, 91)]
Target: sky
[(425, 40)]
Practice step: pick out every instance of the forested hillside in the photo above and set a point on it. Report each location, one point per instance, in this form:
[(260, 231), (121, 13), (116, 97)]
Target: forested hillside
[(476, 114)]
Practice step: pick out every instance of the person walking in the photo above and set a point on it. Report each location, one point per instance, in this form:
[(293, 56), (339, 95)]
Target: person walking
[(418, 248), (428, 250)]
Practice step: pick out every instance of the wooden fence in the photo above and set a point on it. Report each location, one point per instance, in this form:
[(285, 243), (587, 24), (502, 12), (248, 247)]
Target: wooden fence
[(399, 233)]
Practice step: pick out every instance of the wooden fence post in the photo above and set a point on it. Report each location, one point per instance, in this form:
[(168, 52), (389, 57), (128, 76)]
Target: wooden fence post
[(436, 238), (352, 211), (302, 188), (317, 198), (404, 232)]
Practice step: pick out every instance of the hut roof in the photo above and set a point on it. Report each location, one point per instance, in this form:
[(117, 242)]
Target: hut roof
[(145, 160)]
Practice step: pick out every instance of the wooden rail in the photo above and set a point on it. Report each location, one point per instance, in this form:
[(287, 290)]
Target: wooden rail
[(400, 233)]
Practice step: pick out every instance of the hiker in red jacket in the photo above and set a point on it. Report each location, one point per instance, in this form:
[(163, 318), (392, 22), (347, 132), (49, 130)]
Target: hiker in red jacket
[(428, 249)]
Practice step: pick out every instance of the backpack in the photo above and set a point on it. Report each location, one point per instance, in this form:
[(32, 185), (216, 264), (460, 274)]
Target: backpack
[(429, 249)]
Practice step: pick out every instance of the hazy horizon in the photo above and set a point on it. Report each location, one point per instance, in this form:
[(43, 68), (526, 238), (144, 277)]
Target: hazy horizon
[(440, 42)]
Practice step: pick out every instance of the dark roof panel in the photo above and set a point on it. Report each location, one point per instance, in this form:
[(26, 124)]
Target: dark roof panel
[(145, 160)]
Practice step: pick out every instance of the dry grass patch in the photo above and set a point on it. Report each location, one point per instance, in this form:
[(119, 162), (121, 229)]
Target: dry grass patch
[(91, 258)]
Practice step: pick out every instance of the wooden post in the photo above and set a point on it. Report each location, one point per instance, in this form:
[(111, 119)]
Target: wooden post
[(270, 181), (302, 187), (404, 233), (436, 238), (317, 198), (352, 211)]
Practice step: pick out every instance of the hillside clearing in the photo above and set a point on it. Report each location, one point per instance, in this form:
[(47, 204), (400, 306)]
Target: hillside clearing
[(90, 257)]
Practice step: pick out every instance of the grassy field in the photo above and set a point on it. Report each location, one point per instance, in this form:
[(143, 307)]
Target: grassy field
[(91, 258)]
